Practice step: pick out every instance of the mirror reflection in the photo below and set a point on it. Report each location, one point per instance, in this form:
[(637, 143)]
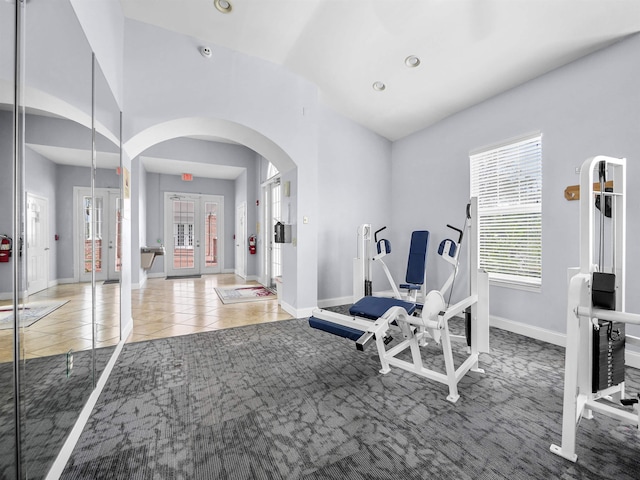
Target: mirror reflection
[(7, 410), (68, 318)]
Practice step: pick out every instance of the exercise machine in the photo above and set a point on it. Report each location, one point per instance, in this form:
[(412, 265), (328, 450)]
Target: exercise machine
[(416, 265), (596, 317), (374, 319)]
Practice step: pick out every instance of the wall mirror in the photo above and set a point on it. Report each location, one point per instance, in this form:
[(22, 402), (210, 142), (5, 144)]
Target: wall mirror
[(7, 398), (60, 314)]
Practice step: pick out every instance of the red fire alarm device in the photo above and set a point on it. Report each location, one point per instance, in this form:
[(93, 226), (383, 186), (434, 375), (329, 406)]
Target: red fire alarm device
[(187, 177)]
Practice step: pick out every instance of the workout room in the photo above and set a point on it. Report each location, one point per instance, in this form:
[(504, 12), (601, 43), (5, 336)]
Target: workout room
[(430, 206)]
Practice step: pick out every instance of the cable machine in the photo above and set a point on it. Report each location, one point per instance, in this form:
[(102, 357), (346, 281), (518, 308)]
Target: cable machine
[(596, 317)]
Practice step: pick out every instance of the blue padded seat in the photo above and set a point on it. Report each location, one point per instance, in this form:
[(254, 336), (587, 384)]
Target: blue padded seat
[(374, 307), (335, 329), (417, 261)]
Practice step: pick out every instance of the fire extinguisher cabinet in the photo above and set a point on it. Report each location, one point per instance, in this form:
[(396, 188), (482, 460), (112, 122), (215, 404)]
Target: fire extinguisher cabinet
[(282, 233), (6, 245)]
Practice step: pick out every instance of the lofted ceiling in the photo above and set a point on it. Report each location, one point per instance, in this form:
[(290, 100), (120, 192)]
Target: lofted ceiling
[(469, 50)]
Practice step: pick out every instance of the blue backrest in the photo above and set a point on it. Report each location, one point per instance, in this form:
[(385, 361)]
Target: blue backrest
[(417, 262)]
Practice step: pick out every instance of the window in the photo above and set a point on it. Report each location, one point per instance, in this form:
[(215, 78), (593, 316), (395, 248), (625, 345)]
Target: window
[(508, 183)]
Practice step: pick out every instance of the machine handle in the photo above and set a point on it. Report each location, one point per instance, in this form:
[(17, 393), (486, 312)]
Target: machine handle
[(375, 235), (457, 230)]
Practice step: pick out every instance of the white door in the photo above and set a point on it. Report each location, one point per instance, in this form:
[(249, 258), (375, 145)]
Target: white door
[(241, 241), (98, 226), (37, 245), (194, 233)]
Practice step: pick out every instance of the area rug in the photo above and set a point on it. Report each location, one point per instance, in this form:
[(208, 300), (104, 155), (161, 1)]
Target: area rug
[(33, 312), (245, 294)]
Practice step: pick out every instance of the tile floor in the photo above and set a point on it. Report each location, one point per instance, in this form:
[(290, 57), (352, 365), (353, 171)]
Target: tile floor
[(161, 308)]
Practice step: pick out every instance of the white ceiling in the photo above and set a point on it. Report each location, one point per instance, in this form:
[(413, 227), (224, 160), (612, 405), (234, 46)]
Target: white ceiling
[(198, 170), (82, 158), (470, 50), (75, 156)]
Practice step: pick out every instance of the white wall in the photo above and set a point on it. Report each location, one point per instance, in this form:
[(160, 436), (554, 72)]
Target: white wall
[(103, 24), (166, 79), (353, 188), (587, 108)]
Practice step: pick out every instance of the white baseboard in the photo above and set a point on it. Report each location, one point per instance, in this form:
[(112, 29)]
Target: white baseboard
[(538, 333), (64, 281), (296, 312), (9, 295), (334, 302), (631, 358)]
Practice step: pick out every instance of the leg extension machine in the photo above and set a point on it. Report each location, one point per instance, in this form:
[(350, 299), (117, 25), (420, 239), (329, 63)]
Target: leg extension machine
[(372, 319)]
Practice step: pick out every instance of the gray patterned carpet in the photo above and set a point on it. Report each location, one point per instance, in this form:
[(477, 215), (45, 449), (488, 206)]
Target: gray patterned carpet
[(283, 401), (51, 403)]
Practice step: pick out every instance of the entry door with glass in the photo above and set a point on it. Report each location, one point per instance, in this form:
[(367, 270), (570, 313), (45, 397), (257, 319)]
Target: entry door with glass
[(99, 226), (272, 195), (193, 233)]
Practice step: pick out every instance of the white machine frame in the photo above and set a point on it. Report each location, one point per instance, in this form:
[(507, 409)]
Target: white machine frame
[(579, 400), (433, 323)]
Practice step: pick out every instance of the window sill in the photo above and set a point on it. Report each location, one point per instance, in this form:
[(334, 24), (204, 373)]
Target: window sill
[(527, 287)]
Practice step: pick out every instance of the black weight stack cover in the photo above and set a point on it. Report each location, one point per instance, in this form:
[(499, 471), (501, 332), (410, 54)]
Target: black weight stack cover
[(603, 290), (608, 355)]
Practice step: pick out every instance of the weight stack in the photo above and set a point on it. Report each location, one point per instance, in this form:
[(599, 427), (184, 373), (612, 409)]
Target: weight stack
[(608, 355)]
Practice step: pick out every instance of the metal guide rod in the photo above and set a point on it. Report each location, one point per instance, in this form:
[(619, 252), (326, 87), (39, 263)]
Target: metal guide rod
[(609, 315)]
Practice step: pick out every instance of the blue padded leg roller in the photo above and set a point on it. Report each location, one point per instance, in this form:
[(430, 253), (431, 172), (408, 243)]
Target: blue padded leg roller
[(339, 330)]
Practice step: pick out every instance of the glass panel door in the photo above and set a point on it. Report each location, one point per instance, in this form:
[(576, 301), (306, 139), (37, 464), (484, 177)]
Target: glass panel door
[(276, 248), (183, 227), (99, 225), (194, 226)]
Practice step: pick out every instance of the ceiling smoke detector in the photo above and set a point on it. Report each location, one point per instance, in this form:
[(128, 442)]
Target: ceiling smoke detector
[(378, 86), (223, 6), (205, 52)]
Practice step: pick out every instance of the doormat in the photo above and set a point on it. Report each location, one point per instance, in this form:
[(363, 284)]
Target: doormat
[(33, 312), (178, 277), (245, 294), (109, 282)]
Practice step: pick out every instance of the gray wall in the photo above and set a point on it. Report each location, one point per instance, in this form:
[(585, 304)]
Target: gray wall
[(587, 108)]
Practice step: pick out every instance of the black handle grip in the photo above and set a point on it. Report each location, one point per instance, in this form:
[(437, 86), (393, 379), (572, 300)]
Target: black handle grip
[(375, 235), (457, 230)]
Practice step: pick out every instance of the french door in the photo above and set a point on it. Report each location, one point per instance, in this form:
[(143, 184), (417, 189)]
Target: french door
[(272, 201), (98, 225), (193, 234)]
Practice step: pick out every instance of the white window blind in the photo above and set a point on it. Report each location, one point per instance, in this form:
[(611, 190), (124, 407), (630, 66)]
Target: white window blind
[(508, 183)]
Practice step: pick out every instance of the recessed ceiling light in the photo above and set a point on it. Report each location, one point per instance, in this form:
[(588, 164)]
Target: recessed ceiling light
[(223, 6), (412, 61), (379, 86)]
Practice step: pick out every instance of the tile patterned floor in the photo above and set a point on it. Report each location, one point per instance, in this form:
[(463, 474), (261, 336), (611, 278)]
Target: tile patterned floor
[(161, 308)]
